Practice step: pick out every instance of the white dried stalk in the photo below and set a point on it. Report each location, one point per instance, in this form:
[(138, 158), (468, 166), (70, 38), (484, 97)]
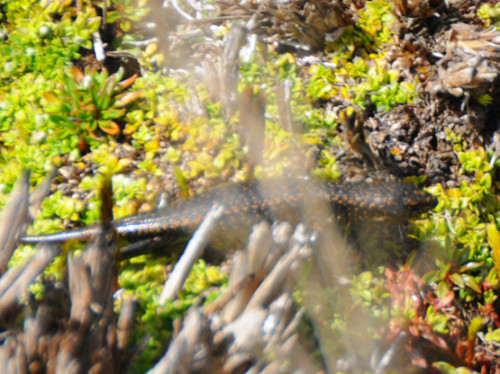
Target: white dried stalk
[(260, 325), (190, 255)]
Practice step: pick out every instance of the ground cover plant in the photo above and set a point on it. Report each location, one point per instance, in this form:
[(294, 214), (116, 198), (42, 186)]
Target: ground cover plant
[(185, 96)]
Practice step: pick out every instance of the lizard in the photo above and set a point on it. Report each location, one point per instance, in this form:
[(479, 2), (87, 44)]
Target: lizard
[(248, 203)]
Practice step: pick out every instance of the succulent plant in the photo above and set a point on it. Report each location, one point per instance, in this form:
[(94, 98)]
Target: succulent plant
[(90, 103)]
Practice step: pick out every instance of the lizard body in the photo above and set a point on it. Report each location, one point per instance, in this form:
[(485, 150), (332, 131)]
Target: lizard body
[(246, 204)]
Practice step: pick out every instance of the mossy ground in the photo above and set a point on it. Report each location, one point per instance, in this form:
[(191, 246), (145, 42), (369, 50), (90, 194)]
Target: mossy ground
[(165, 130)]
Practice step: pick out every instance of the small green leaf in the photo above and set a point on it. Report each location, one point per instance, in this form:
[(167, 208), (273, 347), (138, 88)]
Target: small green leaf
[(446, 368), (471, 283), (494, 242), (456, 278), (475, 326)]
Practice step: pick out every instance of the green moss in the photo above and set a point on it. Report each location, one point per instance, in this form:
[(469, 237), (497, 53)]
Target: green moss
[(145, 278), (172, 126), (359, 70), (490, 13)]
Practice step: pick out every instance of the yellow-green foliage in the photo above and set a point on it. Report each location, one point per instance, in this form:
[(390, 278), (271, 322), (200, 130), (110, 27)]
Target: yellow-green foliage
[(171, 124), (145, 278), (367, 75), (35, 49), (490, 13)]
